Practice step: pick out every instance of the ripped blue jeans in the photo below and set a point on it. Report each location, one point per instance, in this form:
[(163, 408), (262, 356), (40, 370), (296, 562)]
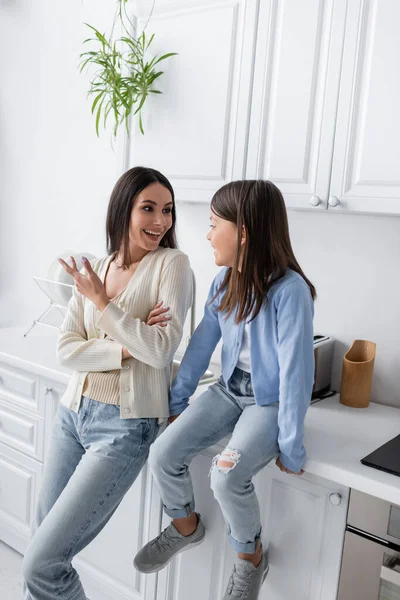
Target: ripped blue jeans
[(253, 444)]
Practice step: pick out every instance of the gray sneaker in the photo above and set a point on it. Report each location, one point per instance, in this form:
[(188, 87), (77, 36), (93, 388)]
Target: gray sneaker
[(157, 553), (246, 580)]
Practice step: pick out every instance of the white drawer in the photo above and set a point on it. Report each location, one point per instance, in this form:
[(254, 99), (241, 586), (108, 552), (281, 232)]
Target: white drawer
[(21, 430), (21, 387), (19, 483)]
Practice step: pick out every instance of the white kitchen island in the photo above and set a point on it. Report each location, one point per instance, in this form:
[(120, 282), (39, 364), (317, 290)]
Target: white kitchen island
[(304, 518)]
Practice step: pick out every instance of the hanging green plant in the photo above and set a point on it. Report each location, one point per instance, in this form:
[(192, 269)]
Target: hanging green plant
[(123, 79)]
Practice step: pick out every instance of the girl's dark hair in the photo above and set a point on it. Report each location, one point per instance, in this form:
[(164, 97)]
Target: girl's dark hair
[(259, 208), (127, 188)]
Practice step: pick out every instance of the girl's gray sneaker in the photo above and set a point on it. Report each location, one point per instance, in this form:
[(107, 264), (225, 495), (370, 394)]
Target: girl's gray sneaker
[(157, 553), (246, 580)]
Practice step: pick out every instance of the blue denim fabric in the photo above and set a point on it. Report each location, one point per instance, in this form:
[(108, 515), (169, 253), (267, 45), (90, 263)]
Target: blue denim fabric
[(215, 414), (94, 459)]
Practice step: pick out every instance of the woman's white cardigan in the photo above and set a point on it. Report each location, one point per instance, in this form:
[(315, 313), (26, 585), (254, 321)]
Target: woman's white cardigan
[(162, 275)]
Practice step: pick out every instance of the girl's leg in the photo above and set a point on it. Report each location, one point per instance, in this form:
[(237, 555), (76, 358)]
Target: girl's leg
[(252, 445), (206, 421), (212, 416), (116, 450)]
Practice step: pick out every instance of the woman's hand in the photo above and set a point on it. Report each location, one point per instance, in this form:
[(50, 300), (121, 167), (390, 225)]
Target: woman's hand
[(285, 470), (158, 316), (89, 285)]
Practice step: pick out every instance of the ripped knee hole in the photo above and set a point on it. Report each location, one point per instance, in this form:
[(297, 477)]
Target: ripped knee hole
[(226, 461)]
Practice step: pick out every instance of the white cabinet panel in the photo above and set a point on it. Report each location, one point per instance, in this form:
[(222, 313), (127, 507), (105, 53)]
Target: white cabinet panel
[(304, 522), (19, 482), (20, 387), (366, 174), (21, 430), (296, 79), (196, 131)]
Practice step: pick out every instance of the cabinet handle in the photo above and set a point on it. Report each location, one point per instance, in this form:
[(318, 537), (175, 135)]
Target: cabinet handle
[(315, 201), (47, 390), (333, 201), (335, 499)]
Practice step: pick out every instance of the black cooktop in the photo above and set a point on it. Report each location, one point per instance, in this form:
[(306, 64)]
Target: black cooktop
[(386, 458)]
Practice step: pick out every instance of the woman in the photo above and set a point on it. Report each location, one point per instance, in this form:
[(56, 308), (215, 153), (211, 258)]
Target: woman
[(118, 393), (261, 304)]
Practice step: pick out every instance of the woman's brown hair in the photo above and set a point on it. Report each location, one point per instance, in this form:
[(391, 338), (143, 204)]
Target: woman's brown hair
[(258, 207), (128, 186)]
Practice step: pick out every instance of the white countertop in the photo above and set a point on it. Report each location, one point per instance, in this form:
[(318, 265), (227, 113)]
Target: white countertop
[(336, 436)]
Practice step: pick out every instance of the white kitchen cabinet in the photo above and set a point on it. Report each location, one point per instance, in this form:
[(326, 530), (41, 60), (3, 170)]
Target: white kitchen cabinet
[(365, 172), (301, 93), (297, 70), (196, 131), (303, 522), (19, 485)]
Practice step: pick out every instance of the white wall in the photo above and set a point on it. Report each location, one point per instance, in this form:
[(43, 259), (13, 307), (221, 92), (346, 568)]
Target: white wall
[(56, 177)]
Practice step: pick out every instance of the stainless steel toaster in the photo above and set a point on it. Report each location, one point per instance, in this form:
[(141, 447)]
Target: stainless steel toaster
[(323, 353)]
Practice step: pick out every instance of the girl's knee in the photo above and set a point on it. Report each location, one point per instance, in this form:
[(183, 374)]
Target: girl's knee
[(222, 474), (159, 456)]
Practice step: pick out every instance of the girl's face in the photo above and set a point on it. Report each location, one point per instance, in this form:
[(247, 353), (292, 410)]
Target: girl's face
[(151, 217), (223, 237)]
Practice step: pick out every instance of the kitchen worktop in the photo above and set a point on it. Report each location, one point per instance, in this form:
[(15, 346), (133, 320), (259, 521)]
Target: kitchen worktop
[(336, 436)]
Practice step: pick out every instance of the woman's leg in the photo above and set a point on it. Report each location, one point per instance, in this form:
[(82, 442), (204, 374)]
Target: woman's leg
[(116, 450), (64, 456), (252, 446)]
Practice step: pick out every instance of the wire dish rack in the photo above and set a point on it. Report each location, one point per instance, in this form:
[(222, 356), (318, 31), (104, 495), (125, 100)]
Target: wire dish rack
[(58, 294)]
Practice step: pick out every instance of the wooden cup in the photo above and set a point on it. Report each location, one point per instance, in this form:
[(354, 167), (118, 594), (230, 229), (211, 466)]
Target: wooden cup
[(358, 369)]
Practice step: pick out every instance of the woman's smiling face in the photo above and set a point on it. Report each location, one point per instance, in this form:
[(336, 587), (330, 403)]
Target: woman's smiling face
[(151, 217)]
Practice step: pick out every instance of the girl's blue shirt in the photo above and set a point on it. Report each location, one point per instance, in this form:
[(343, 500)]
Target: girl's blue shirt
[(281, 357)]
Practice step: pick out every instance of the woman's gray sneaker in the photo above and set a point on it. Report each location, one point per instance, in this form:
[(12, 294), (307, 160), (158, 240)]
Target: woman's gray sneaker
[(246, 580), (155, 555)]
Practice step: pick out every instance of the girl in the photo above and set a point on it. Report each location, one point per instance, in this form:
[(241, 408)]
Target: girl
[(261, 304), (118, 392)]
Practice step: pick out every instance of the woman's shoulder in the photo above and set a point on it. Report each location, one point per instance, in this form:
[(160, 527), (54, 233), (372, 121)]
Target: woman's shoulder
[(171, 255), (98, 264)]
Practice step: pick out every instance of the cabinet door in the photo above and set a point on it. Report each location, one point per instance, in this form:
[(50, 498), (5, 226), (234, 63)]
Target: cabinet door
[(304, 523), (365, 173), (196, 131), (19, 485), (299, 47)]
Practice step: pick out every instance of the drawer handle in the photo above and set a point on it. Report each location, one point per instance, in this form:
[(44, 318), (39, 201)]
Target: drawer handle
[(47, 390)]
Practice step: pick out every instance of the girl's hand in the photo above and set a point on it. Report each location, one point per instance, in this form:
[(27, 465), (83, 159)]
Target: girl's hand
[(285, 470), (158, 316), (89, 285)]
